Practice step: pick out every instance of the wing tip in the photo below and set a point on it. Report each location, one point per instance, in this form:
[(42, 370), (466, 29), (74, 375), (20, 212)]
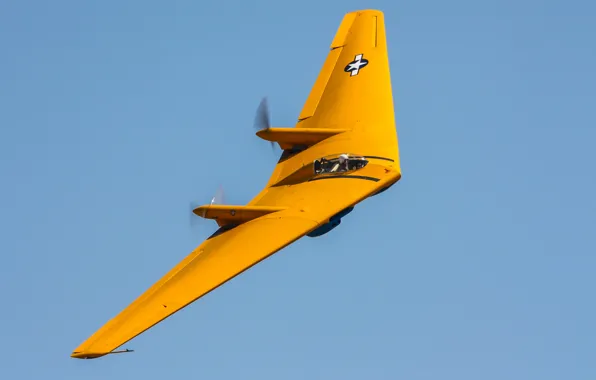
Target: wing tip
[(95, 355), (87, 355), (342, 32), (375, 12)]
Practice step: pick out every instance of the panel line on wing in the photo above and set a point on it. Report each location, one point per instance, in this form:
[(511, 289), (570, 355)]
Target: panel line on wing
[(380, 158), (347, 176), (375, 30)]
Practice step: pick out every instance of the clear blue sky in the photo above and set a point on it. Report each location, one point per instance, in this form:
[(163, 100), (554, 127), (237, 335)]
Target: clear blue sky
[(479, 264)]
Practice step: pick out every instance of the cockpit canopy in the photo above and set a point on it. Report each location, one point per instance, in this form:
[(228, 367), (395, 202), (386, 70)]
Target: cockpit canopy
[(339, 163)]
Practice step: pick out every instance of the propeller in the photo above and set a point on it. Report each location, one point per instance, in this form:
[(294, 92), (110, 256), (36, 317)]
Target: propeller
[(218, 198), (263, 118)]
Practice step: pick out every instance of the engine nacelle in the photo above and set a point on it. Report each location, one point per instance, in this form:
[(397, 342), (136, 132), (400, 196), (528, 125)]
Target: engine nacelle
[(334, 221)]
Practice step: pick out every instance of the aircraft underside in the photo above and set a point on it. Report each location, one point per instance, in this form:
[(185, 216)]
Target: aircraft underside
[(334, 221)]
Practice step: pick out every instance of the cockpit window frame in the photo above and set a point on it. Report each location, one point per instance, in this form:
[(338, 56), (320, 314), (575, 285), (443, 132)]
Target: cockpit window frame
[(330, 164)]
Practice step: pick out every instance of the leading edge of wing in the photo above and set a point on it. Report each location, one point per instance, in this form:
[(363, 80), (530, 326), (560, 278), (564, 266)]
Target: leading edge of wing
[(217, 260)]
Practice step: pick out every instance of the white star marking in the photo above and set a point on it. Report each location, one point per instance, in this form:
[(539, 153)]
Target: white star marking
[(354, 67)]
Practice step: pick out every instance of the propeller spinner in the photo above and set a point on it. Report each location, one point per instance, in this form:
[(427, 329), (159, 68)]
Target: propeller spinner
[(218, 199)]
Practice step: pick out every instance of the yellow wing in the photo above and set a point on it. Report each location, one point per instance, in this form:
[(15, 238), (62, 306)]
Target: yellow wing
[(352, 99), (353, 89), (212, 263), (230, 252), (351, 95)]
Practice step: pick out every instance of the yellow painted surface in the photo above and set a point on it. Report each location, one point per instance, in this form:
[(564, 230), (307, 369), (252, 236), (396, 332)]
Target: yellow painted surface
[(226, 214), (292, 204), (288, 137)]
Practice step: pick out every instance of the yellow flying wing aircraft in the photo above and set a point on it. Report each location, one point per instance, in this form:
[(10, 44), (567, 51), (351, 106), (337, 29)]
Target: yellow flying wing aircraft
[(342, 150)]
